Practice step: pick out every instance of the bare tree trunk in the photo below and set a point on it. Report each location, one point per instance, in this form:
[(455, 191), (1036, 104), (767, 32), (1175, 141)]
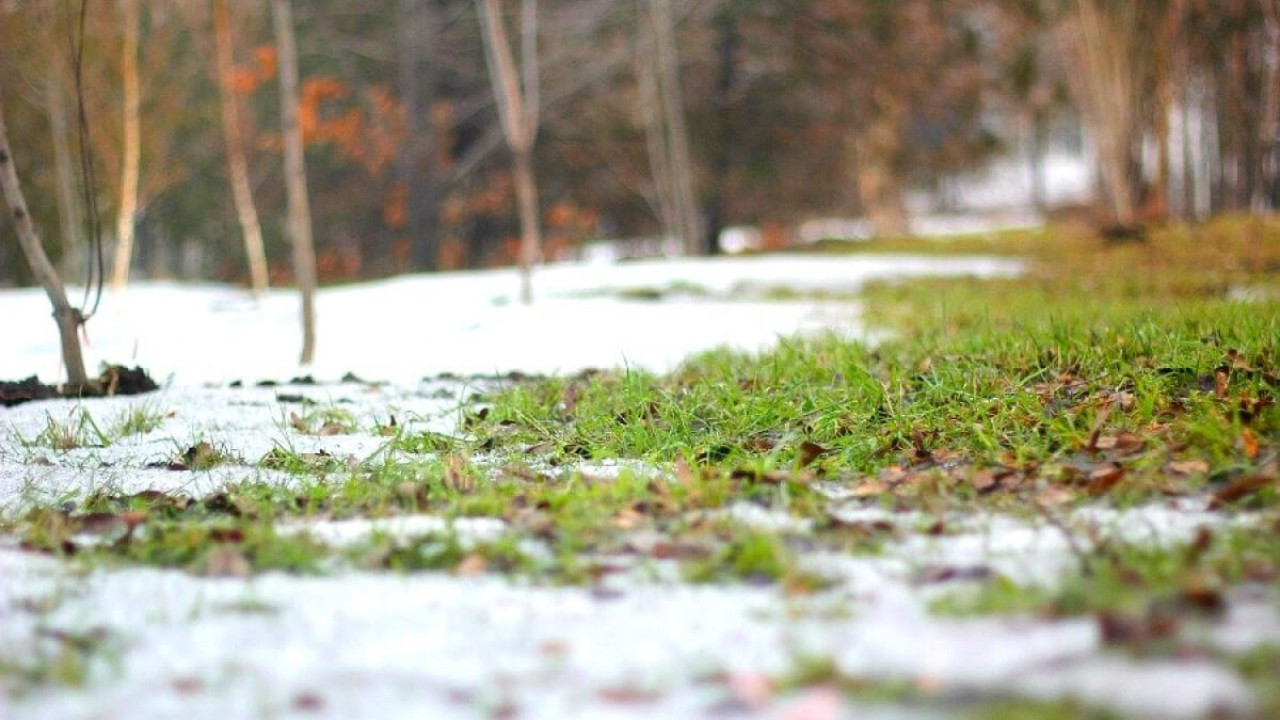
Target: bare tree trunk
[(723, 148), (527, 199), (70, 212), (295, 175), (67, 317), (518, 111), (417, 29), (1039, 192), (875, 150), (679, 165), (1111, 83), (1269, 128), (237, 164), (650, 102), (132, 157)]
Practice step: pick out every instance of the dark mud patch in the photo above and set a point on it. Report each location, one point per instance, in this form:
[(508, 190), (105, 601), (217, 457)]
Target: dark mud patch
[(114, 380)]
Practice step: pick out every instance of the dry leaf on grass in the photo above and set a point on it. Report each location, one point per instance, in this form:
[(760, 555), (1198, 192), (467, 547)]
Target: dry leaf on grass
[(1187, 468), (808, 452), (1103, 479)]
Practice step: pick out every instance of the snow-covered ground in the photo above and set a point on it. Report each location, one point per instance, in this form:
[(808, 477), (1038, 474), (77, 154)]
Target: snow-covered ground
[(362, 645), (406, 328)]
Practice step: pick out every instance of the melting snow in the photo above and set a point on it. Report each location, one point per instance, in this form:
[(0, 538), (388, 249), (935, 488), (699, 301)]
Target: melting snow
[(431, 645)]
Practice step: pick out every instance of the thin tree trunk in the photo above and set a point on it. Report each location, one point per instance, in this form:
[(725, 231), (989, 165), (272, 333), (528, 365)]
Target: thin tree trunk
[(527, 198), (518, 112), (418, 167), (67, 317), (1039, 195), (70, 212), (132, 157), (295, 175), (650, 101), (1111, 72), (722, 152), (237, 164), (677, 134), (1164, 76), (1269, 127), (875, 149)]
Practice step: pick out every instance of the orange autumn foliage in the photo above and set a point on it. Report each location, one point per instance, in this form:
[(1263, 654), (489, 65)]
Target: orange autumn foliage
[(369, 131)]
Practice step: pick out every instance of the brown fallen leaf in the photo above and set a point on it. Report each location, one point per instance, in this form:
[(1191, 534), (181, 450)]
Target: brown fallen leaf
[(329, 429), (1250, 443), (471, 566), (684, 473), (628, 518), (186, 685), (983, 480), (869, 488), (1124, 442), (809, 451), (1204, 596), (1103, 479), (1221, 382), (226, 535), (1187, 468), (227, 562), (1103, 413), (1240, 489), (307, 702), (679, 550), (200, 455), (952, 573), (107, 526), (1055, 495)]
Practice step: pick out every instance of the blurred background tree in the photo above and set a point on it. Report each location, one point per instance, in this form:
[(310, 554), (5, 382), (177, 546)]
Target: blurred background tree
[(873, 111)]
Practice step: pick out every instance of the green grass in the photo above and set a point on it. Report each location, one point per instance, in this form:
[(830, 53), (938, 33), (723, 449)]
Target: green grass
[(80, 430), (1117, 374)]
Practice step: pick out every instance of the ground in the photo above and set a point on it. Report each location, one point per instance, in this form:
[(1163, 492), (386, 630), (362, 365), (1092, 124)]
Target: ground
[(1023, 474)]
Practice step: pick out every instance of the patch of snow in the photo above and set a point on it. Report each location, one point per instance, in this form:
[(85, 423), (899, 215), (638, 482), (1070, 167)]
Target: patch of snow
[(353, 531), (1161, 688), (356, 644), (405, 328)]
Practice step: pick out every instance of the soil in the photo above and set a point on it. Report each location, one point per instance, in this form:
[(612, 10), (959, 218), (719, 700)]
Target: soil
[(114, 380)]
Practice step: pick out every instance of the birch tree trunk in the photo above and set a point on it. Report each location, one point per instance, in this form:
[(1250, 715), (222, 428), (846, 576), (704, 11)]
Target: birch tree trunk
[(680, 168), (70, 211), (295, 174), (1112, 78), (237, 164), (518, 112), (67, 317), (650, 107), (132, 156)]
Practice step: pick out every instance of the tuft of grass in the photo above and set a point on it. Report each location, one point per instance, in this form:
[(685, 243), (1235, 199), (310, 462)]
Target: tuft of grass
[(137, 420), (79, 430)]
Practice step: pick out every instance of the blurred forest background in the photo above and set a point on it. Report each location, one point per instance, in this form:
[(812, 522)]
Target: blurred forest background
[(659, 119)]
